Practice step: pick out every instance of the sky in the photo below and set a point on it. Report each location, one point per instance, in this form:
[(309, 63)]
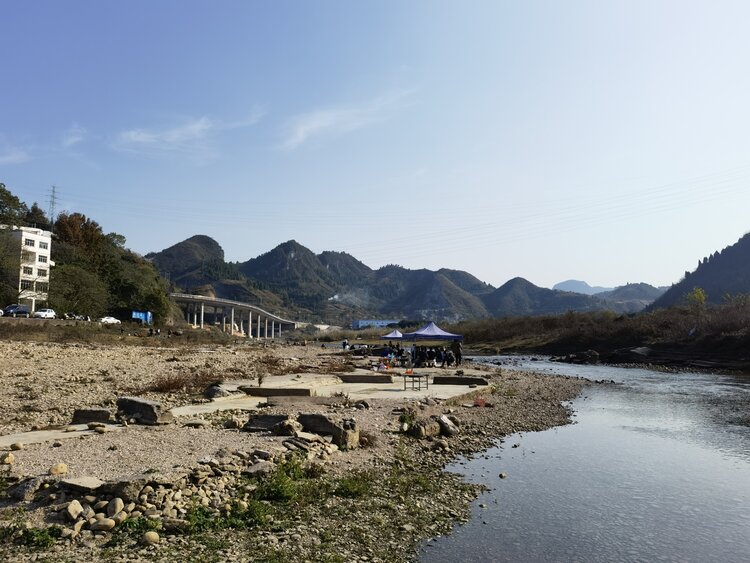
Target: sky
[(601, 141)]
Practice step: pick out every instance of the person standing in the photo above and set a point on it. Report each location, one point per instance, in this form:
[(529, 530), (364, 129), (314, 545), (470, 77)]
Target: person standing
[(457, 349)]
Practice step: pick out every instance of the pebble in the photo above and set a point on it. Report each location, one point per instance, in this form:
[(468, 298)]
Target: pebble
[(17, 446), (7, 458)]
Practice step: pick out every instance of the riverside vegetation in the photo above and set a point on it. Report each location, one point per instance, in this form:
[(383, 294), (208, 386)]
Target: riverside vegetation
[(694, 334), (209, 491)]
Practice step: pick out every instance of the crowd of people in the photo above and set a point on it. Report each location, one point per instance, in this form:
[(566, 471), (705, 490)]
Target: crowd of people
[(424, 356)]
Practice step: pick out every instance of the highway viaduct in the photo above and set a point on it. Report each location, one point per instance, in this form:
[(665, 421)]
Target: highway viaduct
[(249, 319)]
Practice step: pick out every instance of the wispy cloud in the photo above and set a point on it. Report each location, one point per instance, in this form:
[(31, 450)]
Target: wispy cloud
[(12, 155), (76, 134), (193, 136), (341, 119)]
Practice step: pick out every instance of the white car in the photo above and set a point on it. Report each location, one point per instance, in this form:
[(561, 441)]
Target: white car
[(45, 314), (109, 321)]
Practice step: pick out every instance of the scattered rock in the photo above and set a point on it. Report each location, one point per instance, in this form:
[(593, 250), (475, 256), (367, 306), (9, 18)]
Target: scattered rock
[(73, 510), (150, 538), (425, 428), (286, 427), (7, 458), (447, 428), (195, 423), (345, 433), (143, 411), (103, 525), (114, 506), (58, 469), (214, 391), (260, 468), (17, 446)]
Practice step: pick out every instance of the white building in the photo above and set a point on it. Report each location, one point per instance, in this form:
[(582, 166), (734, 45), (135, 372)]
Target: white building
[(34, 248)]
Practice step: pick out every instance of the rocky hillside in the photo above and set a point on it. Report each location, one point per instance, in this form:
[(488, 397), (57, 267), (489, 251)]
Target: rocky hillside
[(723, 273)]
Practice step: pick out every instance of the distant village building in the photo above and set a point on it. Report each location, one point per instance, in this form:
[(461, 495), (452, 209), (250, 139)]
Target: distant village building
[(34, 248), (376, 323)]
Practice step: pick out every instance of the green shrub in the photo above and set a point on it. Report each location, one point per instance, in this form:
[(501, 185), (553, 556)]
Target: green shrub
[(40, 538), (355, 485)]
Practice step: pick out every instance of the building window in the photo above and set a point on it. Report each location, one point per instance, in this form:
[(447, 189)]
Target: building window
[(28, 271), (42, 258), (42, 287), (43, 245), (41, 273), (28, 242), (26, 284)]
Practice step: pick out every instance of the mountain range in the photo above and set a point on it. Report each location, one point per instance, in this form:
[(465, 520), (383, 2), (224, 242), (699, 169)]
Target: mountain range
[(335, 287)]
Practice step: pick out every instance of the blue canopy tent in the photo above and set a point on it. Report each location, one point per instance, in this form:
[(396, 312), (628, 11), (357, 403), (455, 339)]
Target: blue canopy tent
[(431, 331), (393, 335)]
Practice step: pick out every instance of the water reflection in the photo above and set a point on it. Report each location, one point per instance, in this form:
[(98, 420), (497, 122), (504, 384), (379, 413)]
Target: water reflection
[(656, 469)]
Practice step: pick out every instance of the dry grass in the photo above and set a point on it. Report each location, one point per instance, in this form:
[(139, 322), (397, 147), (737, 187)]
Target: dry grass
[(189, 382)]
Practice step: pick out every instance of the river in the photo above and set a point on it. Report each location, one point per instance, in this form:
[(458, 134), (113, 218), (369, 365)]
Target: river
[(656, 467)]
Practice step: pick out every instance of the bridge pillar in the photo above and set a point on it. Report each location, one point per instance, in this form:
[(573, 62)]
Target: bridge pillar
[(249, 324), (203, 313), (273, 329), (257, 331), (279, 330), (266, 335), (231, 321)]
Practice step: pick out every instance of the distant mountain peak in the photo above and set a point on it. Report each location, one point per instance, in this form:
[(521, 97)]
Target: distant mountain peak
[(579, 286)]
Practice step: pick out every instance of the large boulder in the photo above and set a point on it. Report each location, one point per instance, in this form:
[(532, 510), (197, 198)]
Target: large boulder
[(344, 432), (425, 428), (143, 411), (447, 427)]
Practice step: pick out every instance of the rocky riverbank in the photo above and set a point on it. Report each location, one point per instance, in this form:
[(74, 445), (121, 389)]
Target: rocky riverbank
[(208, 490)]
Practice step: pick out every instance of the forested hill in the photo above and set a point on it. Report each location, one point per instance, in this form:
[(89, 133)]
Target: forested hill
[(336, 287), (722, 275)]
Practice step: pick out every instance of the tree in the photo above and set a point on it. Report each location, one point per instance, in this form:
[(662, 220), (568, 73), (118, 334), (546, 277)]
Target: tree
[(12, 210), (74, 289), (696, 300), (79, 230), (35, 217), (10, 263)]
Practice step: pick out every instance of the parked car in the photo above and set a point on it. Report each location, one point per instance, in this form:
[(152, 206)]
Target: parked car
[(45, 314), (109, 321), (17, 310)]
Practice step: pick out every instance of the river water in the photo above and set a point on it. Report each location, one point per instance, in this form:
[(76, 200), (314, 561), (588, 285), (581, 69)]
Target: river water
[(655, 468)]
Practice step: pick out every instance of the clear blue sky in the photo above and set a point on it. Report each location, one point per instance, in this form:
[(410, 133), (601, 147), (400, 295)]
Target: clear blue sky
[(603, 141)]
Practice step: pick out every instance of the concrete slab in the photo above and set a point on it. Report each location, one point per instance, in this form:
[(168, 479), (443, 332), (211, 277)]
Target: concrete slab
[(41, 436), (238, 402)]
